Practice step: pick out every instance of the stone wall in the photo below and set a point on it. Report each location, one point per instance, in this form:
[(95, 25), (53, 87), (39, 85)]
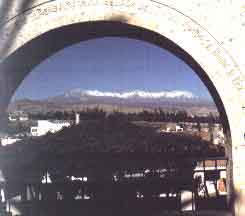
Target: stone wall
[(211, 32)]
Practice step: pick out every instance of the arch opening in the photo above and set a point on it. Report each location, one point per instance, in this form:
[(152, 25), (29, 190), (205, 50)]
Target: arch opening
[(15, 71), (68, 35)]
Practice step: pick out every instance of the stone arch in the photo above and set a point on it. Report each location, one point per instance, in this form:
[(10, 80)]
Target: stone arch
[(44, 23)]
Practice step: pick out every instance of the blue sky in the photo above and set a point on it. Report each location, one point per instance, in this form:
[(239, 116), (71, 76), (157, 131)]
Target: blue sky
[(110, 64)]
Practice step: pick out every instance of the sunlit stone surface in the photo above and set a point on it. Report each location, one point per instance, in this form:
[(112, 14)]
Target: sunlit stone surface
[(212, 32)]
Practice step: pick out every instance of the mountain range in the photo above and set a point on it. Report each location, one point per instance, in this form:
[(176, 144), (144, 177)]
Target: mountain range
[(130, 101)]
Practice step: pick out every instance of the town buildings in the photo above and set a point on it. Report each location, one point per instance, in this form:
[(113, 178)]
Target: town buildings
[(8, 140), (18, 116), (45, 126)]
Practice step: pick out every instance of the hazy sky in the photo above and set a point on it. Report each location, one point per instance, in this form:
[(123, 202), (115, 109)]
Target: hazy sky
[(110, 64)]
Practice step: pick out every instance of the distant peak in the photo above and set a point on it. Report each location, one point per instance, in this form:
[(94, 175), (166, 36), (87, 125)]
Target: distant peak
[(134, 93)]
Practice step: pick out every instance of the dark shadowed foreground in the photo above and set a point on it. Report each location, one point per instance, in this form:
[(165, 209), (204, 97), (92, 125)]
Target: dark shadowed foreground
[(106, 167)]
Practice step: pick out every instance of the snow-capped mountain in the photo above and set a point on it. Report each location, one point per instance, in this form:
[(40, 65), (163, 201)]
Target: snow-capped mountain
[(130, 94), (136, 97), (128, 101)]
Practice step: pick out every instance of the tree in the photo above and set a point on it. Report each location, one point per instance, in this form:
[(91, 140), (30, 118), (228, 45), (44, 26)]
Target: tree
[(211, 131), (199, 128)]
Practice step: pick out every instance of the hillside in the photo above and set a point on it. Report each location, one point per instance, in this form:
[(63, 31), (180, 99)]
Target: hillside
[(129, 102)]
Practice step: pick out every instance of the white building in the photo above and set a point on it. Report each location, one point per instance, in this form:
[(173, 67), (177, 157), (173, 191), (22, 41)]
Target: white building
[(179, 128), (9, 140), (210, 166), (18, 116), (45, 126), (219, 138), (77, 119), (24, 118), (12, 118), (173, 127)]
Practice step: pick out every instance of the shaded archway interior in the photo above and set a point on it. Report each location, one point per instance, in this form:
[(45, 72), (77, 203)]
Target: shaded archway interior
[(19, 64)]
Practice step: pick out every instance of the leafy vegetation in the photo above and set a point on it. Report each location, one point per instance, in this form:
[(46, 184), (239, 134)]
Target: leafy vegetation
[(99, 148), (145, 115)]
